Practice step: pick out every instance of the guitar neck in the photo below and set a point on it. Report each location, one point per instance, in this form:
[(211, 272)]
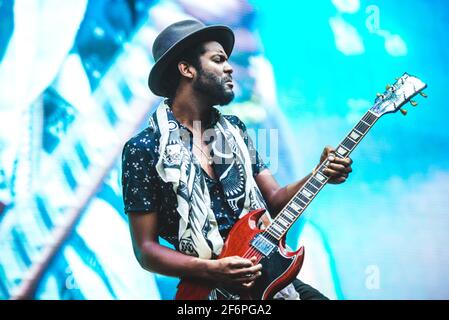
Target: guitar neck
[(296, 206)]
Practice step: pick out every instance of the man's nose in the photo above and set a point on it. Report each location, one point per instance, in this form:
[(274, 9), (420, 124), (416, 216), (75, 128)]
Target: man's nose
[(228, 68)]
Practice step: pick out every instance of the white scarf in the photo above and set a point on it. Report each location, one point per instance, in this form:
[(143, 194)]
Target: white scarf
[(198, 229)]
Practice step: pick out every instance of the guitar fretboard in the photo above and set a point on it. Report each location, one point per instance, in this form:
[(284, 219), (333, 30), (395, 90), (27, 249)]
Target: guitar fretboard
[(296, 206)]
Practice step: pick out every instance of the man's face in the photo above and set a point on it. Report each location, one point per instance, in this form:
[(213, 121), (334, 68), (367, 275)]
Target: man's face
[(214, 75)]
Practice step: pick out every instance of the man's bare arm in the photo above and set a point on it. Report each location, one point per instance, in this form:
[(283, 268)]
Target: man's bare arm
[(154, 257), (277, 197)]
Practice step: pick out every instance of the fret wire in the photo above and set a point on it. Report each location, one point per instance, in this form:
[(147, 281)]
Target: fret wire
[(272, 234), (289, 220), (352, 139), (369, 118), (294, 213), (358, 132), (342, 151), (277, 228), (323, 167), (366, 123), (362, 127), (315, 182), (303, 198), (299, 202), (311, 188), (286, 216), (287, 225), (319, 174), (348, 144), (273, 231), (307, 193), (280, 221), (284, 224)]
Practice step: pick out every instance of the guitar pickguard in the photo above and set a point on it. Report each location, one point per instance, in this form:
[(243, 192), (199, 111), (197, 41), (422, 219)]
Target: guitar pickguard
[(273, 268)]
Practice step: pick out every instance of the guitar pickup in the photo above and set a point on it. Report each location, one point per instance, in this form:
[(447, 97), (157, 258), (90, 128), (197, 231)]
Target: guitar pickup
[(263, 245)]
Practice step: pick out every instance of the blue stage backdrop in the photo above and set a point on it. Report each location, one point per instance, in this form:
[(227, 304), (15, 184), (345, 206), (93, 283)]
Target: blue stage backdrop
[(73, 90)]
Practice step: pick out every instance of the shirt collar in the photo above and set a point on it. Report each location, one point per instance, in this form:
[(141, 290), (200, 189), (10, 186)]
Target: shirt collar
[(215, 116)]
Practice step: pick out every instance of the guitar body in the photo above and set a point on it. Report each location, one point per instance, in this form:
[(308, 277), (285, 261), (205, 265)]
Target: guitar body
[(279, 267)]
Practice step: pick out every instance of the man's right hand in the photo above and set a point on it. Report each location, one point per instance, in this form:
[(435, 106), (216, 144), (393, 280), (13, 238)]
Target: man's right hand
[(235, 271)]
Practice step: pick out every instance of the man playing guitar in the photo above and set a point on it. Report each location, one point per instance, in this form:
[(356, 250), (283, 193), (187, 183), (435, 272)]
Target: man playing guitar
[(194, 172)]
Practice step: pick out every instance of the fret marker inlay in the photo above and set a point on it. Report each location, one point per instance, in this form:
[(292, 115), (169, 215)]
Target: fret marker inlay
[(320, 177), (306, 193), (354, 135), (342, 151)]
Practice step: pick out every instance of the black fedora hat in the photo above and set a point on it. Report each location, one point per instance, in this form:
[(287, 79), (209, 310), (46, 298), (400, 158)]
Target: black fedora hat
[(178, 37)]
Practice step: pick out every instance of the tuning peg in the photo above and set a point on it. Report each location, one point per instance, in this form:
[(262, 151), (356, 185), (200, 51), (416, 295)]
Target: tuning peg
[(397, 78), (404, 112), (413, 103), (378, 95), (423, 94), (388, 86)]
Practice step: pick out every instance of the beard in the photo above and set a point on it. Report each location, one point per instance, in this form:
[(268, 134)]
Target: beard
[(213, 87)]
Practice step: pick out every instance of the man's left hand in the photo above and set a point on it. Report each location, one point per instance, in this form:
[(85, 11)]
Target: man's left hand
[(338, 169)]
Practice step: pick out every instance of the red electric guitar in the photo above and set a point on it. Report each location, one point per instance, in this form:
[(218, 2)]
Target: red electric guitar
[(279, 266)]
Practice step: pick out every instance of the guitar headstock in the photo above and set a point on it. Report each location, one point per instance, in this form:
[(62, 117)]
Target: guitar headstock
[(398, 94)]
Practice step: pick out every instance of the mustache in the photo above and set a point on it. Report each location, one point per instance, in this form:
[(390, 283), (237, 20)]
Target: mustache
[(226, 79)]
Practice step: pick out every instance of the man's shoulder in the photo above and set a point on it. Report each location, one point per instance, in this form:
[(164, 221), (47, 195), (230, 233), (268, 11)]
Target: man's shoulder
[(235, 121), (145, 140)]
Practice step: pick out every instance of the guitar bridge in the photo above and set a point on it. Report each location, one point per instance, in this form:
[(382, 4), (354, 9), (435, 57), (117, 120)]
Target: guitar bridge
[(263, 245)]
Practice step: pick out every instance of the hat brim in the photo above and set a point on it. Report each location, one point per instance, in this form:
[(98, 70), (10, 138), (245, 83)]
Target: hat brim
[(219, 33)]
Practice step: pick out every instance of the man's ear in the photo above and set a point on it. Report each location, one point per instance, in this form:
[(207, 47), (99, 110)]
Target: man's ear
[(186, 70)]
